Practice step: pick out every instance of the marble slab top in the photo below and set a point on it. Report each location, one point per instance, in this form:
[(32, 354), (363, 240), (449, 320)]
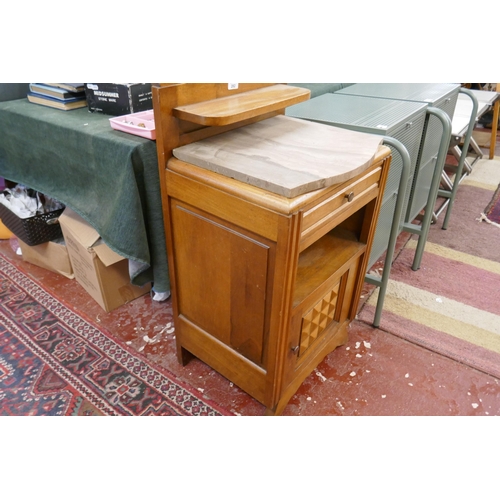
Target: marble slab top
[(285, 155)]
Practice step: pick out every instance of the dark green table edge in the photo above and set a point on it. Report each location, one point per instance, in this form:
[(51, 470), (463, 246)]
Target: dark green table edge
[(108, 177)]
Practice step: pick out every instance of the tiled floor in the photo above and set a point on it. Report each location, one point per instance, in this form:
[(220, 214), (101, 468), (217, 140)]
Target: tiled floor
[(376, 373)]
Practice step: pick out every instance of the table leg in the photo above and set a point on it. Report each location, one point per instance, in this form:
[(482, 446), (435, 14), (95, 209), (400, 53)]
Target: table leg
[(494, 130)]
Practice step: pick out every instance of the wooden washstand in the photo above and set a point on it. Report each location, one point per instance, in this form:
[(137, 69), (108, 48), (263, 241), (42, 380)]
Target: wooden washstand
[(266, 272)]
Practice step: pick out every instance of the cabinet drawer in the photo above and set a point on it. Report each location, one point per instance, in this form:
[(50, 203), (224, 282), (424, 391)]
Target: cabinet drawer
[(321, 218)]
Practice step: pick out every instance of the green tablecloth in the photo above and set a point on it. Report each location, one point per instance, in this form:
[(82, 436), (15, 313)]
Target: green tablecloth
[(108, 177)]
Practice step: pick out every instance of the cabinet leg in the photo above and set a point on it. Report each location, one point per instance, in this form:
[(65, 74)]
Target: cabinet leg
[(278, 409), (183, 356), (272, 412)]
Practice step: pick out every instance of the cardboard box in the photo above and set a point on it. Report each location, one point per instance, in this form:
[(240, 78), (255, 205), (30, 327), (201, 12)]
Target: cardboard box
[(119, 98), (52, 255), (102, 272)]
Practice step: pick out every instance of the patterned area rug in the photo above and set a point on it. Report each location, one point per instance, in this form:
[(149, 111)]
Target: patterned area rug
[(450, 305), (54, 362)]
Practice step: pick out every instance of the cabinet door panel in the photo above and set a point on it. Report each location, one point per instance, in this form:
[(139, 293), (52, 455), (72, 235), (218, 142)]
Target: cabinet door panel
[(222, 277)]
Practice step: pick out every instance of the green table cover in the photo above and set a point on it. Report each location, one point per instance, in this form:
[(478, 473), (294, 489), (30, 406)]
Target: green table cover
[(108, 177)]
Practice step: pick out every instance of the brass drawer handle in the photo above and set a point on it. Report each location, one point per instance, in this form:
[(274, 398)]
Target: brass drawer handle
[(349, 196)]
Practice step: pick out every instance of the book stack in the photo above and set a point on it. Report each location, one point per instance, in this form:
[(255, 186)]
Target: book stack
[(63, 96)]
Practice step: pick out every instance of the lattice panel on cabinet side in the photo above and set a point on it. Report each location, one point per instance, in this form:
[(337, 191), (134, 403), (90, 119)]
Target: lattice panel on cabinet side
[(317, 319)]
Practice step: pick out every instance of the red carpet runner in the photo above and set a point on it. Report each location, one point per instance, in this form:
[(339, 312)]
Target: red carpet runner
[(53, 362), (451, 305)]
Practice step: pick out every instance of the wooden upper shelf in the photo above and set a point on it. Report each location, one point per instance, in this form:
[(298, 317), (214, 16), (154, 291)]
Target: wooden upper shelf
[(238, 107)]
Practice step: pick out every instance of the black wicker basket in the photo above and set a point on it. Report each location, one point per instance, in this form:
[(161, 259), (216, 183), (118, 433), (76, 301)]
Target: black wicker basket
[(33, 230)]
